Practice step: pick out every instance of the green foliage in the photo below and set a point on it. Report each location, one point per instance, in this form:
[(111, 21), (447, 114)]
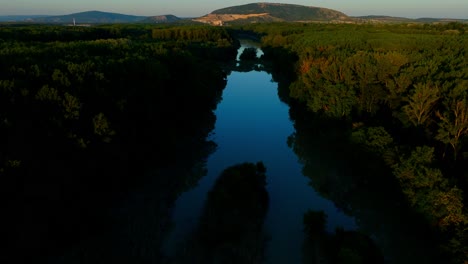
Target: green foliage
[(60, 78), (64, 91), (71, 106), (47, 93), (406, 86), (421, 103), (13, 163), (448, 208), (416, 173), (6, 86), (60, 81), (102, 127), (458, 244), (193, 34), (334, 100), (374, 139), (428, 191), (453, 125)]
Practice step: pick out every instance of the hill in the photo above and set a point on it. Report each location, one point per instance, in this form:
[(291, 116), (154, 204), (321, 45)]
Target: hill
[(383, 19), (162, 19), (266, 12), (249, 13), (440, 20), (91, 17), (19, 18), (391, 19)]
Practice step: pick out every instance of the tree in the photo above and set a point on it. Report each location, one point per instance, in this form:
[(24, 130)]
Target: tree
[(47, 93), (374, 139), (428, 191), (71, 106), (453, 125), (448, 207), (60, 78), (102, 127), (370, 96), (421, 103), (334, 100)]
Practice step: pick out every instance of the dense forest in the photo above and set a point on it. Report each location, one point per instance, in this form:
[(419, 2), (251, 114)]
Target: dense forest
[(88, 116), (398, 94)]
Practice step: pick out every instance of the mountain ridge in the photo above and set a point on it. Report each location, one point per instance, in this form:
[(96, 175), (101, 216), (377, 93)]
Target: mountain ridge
[(248, 13), (16, 18), (271, 12), (169, 18), (94, 17)]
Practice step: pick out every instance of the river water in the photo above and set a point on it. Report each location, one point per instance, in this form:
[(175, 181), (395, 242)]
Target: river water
[(253, 125)]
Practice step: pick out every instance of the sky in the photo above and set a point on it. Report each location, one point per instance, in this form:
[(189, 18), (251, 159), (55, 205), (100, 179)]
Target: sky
[(195, 8)]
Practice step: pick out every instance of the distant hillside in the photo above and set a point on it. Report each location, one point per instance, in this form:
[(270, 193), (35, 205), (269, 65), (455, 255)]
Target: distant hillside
[(162, 19), (384, 19), (440, 20), (250, 13), (258, 12), (91, 17), (23, 18), (391, 19)]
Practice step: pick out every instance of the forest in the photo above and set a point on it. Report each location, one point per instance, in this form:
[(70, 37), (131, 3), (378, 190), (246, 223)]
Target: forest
[(90, 115), (399, 95)]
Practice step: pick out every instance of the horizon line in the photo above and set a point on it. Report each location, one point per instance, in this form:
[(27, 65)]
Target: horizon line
[(119, 13)]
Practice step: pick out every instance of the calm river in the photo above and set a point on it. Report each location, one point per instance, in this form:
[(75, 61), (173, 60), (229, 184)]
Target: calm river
[(253, 125), (310, 166)]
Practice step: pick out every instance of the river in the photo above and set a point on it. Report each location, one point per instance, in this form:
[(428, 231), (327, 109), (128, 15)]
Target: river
[(252, 124)]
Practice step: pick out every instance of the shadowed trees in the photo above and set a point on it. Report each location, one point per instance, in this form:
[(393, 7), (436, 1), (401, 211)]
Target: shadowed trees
[(88, 118), (230, 229), (249, 54), (342, 247), (396, 90)]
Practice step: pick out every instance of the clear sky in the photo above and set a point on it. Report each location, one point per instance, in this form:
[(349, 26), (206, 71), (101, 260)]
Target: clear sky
[(193, 8)]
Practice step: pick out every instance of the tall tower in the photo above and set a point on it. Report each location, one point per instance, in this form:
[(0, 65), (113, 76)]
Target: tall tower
[(74, 23)]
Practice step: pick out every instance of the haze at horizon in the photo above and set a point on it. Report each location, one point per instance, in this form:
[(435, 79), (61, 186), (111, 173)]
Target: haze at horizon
[(190, 8)]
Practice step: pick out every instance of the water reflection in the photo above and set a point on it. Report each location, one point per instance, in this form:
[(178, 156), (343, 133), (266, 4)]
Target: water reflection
[(338, 247), (361, 187), (230, 229), (253, 125)]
